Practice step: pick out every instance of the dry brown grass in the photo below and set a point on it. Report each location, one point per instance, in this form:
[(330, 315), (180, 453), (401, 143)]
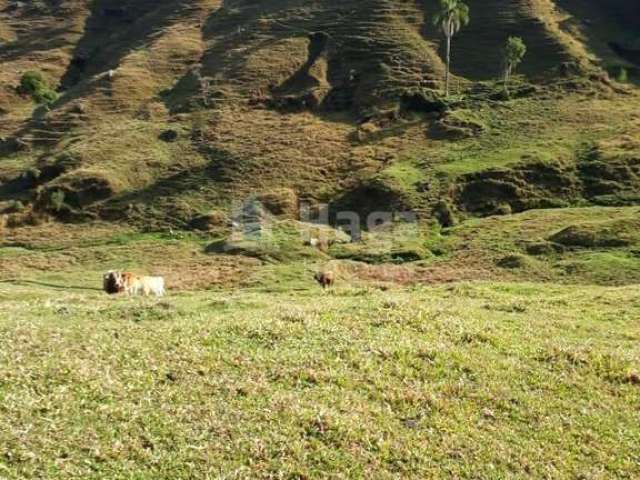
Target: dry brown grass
[(64, 254)]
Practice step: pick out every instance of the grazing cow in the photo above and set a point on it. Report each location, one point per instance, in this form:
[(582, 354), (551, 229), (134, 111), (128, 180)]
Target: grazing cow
[(325, 279), (112, 282), (137, 285)]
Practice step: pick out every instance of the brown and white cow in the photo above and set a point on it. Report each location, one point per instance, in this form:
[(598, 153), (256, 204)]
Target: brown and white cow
[(127, 282), (142, 285)]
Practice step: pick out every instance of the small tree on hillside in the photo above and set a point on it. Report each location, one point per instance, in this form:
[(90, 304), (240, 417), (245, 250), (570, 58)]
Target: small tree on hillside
[(453, 15), (514, 52), (34, 84)]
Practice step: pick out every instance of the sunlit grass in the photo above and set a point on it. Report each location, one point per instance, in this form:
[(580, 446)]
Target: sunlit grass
[(470, 380)]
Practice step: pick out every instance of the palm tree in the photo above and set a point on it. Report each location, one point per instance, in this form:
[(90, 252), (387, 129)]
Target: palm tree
[(453, 15)]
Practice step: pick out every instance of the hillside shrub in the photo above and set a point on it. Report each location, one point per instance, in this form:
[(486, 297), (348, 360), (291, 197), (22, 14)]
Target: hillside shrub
[(14, 206), (56, 200), (35, 85), (623, 75), (40, 6)]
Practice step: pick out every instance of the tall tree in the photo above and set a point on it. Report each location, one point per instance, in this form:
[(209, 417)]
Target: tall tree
[(453, 15), (514, 52)]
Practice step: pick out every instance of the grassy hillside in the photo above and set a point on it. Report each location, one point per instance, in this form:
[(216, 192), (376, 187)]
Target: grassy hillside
[(206, 104)]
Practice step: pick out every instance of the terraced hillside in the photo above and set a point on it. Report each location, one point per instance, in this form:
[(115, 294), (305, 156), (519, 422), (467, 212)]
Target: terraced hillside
[(171, 109)]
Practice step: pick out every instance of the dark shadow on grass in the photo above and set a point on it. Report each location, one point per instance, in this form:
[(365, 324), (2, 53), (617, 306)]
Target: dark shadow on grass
[(355, 53), (15, 189), (50, 285), (545, 52), (113, 32), (40, 41)]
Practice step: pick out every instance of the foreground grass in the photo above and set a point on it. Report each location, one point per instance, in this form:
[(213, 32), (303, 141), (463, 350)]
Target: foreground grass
[(470, 380)]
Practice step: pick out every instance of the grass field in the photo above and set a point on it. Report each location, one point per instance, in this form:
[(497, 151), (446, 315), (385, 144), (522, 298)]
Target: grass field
[(469, 380), (495, 337)]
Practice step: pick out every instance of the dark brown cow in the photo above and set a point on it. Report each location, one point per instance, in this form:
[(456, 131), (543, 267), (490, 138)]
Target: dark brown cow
[(325, 279)]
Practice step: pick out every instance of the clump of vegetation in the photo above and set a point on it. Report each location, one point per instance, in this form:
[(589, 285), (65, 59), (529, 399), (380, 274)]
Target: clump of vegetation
[(14, 206), (56, 200), (40, 6), (35, 85), (514, 52), (623, 75)]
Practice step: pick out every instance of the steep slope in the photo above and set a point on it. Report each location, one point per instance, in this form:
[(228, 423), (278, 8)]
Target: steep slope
[(368, 48), (171, 108), (538, 22), (34, 37), (610, 29)]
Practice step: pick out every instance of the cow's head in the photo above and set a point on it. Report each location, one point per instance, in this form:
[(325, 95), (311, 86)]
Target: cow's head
[(112, 282)]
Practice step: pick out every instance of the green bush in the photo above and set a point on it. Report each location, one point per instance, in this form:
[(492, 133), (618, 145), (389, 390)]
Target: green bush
[(32, 81), (623, 75), (34, 84), (56, 200), (40, 6), (14, 206)]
